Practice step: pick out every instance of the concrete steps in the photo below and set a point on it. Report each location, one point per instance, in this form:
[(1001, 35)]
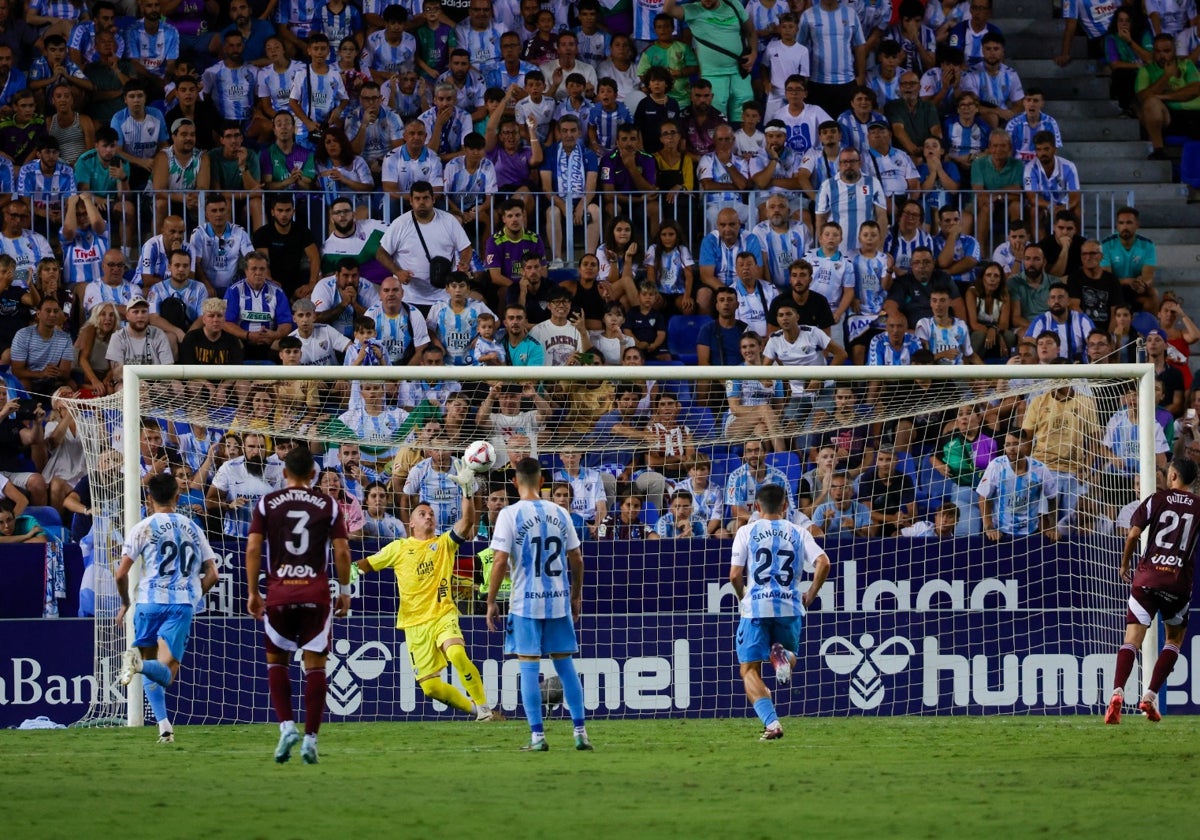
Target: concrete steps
[(1077, 130)]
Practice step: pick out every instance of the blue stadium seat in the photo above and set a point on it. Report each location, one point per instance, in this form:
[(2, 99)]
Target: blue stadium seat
[(682, 331), (1189, 167), (46, 517), (789, 464), (649, 513)]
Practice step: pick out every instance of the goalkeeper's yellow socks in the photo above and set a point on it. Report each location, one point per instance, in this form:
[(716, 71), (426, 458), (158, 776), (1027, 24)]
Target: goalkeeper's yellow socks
[(436, 688), (468, 673)]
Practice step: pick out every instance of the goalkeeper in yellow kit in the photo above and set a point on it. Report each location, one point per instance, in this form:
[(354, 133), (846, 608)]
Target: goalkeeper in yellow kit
[(424, 565)]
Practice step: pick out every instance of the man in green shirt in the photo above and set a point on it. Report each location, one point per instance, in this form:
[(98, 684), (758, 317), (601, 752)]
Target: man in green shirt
[(996, 178), (1168, 90), (1031, 287), (726, 46), (234, 168)]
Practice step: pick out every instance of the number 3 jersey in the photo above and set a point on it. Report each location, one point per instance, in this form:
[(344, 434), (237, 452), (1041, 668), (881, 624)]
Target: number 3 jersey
[(171, 550), (297, 525), (774, 553), (1169, 518), (537, 535)]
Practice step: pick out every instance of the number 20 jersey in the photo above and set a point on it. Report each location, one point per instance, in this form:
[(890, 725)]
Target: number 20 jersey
[(1169, 518), (171, 550), (297, 525), (774, 553), (537, 535)]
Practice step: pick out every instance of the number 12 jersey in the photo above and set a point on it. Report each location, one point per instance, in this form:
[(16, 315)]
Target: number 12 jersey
[(537, 535)]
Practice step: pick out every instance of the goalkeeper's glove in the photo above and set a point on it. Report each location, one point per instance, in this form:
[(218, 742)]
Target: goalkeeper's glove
[(355, 572), (464, 477)]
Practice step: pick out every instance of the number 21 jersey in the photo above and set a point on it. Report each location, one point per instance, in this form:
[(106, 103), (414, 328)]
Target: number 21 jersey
[(1169, 517), (297, 525)]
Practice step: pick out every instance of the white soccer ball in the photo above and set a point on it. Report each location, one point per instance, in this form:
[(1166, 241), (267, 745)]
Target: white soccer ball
[(480, 456)]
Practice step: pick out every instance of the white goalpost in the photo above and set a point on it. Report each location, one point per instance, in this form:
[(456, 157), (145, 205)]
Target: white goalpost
[(905, 625)]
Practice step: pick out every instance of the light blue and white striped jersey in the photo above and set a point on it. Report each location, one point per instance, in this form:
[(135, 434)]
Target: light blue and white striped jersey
[(231, 90), (153, 50), (83, 38), (666, 527), (1055, 186), (96, 293), (645, 10), (382, 57), (498, 75), (483, 45), (850, 204), (965, 246), (1174, 14), (892, 170), (140, 138), (193, 446), (819, 167), (62, 9), (277, 87), (543, 114), (399, 333), (377, 433), (155, 259), (901, 249), (1121, 438), (297, 15), (437, 490), (537, 535), (965, 139), (885, 91), (337, 26), (1072, 335), (722, 257), (780, 250), (26, 249), (7, 176), (82, 257), (587, 489), (671, 279), (1022, 132), (171, 551), (455, 329), (881, 352), (869, 274), (1095, 15), (470, 94), (741, 486), (774, 553), (42, 188), (468, 189), (707, 503), (387, 527), (254, 311), (404, 170), (753, 303), (1019, 498), (606, 123), (754, 392), (761, 16), (831, 275), (318, 94), (1002, 89), (192, 295), (831, 37), (854, 130), (954, 336), (380, 136), (219, 255), (593, 48), (711, 168)]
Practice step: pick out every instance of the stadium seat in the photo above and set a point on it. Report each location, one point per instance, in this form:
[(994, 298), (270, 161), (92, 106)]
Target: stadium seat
[(649, 513), (701, 421), (47, 518), (789, 464), (682, 331), (1189, 167)]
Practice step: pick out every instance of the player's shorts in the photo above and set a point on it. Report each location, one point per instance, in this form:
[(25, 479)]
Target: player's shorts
[(425, 644), (170, 622), (292, 627), (1145, 602), (756, 635), (539, 636)]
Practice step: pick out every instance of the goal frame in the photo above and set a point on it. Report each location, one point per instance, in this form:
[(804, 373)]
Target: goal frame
[(135, 375)]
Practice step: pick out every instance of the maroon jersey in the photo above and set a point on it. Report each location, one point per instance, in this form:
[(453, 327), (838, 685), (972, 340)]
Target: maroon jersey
[(1171, 521), (297, 525)]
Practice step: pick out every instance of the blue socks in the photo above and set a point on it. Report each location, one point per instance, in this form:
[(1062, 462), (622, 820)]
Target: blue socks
[(765, 710), (572, 689), (531, 695), (156, 696), (155, 671)]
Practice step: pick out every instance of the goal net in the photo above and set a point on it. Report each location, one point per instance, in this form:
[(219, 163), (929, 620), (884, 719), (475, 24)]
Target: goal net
[(934, 604)]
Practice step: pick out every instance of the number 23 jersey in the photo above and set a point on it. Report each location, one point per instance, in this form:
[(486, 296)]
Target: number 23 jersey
[(774, 553), (297, 525)]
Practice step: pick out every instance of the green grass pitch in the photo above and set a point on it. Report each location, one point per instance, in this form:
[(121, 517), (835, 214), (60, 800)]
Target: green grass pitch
[(900, 777)]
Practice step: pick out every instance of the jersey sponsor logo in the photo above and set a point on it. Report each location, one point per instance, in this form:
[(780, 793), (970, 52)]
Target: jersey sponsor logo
[(867, 663)]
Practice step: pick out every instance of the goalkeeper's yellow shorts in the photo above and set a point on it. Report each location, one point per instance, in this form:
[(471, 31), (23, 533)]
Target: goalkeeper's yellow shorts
[(425, 644)]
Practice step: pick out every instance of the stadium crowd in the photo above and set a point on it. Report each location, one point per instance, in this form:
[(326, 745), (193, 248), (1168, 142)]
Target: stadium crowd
[(515, 183)]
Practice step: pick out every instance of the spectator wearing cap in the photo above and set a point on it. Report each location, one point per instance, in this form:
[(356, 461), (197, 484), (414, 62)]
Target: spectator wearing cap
[(112, 287), (180, 173), (560, 337), (46, 180), (891, 167), (42, 354), (136, 343), (257, 309), (1166, 374)]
